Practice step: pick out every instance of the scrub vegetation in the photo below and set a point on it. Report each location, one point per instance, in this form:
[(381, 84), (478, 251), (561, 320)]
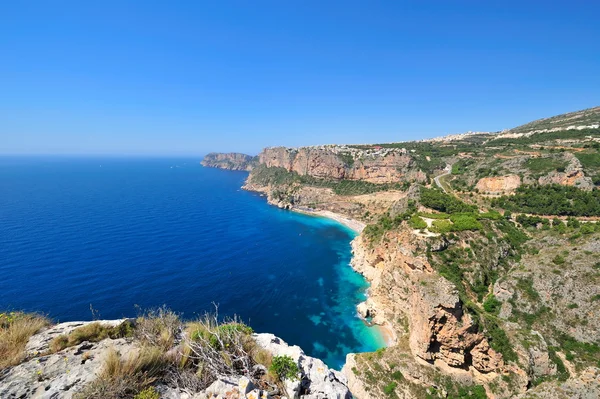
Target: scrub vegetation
[(15, 330)]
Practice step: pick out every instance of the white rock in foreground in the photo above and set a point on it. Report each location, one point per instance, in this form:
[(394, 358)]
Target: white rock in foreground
[(317, 380), (61, 375)]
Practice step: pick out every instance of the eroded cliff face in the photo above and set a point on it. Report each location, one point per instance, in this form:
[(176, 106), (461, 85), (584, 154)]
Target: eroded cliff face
[(499, 185), (333, 162), (573, 175), (230, 161), (404, 286)]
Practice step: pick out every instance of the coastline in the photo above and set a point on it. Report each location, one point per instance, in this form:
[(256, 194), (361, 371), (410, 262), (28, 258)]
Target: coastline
[(384, 326)]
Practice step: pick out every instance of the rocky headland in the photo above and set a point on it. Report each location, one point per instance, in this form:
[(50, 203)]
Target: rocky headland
[(230, 161)]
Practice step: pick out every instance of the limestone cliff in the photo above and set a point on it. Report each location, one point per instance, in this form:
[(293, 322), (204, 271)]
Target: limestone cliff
[(499, 185), (573, 175), (230, 161), (404, 286), (341, 162)]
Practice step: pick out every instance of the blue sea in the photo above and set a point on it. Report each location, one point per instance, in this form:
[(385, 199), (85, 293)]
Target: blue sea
[(115, 234)]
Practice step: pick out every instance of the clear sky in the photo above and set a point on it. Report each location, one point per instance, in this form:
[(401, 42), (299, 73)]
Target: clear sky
[(188, 77)]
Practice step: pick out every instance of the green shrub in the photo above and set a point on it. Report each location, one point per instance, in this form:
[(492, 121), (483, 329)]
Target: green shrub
[(558, 260), (492, 305), (417, 223), (587, 228), (284, 367), (492, 215), (441, 226), (526, 287), (148, 393), (464, 222), (397, 375), (552, 200), (589, 160), (544, 165), (474, 392), (440, 215), (440, 201), (498, 339), (390, 388)]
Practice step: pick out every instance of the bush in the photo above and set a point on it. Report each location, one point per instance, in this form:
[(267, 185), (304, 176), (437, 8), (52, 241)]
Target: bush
[(390, 388), (148, 393), (417, 223), (499, 340), (475, 392), (587, 228), (440, 201), (440, 215), (492, 305), (15, 330), (464, 222), (544, 165), (397, 375), (441, 226), (552, 200), (284, 367), (558, 260)]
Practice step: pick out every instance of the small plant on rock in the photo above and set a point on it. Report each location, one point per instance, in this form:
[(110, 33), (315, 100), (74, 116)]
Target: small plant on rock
[(148, 393), (284, 367)]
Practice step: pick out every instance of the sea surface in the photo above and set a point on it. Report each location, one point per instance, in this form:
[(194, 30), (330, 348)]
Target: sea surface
[(120, 234)]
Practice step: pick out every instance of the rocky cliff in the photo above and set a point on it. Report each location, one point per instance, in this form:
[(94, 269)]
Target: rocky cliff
[(341, 162), (230, 161), (404, 286), (499, 185)]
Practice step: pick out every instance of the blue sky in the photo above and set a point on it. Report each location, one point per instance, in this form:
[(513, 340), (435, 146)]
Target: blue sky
[(188, 77)]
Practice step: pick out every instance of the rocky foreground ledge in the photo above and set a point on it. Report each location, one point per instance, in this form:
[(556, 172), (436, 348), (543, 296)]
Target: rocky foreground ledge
[(47, 373)]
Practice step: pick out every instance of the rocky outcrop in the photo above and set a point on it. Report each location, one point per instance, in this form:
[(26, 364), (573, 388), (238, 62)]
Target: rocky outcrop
[(336, 162), (440, 330), (229, 161), (317, 381), (61, 375), (499, 185), (404, 286), (572, 176)]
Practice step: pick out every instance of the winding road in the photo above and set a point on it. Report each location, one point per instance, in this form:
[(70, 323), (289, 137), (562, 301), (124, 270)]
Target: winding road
[(448, 170)]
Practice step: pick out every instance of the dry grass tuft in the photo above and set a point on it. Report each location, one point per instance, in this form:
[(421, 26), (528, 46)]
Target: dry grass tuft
[(158, 327), (93, 332), (125, 378), (15, 330)]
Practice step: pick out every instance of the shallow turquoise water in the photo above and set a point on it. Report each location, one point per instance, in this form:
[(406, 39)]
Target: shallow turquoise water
[(115, 233)]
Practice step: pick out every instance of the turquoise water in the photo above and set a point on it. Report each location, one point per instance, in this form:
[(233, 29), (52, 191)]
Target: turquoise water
[(114, 233)]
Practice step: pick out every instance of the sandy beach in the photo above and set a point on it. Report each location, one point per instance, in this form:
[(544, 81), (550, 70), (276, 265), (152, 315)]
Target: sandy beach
[(350, 223), (389, 336)]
